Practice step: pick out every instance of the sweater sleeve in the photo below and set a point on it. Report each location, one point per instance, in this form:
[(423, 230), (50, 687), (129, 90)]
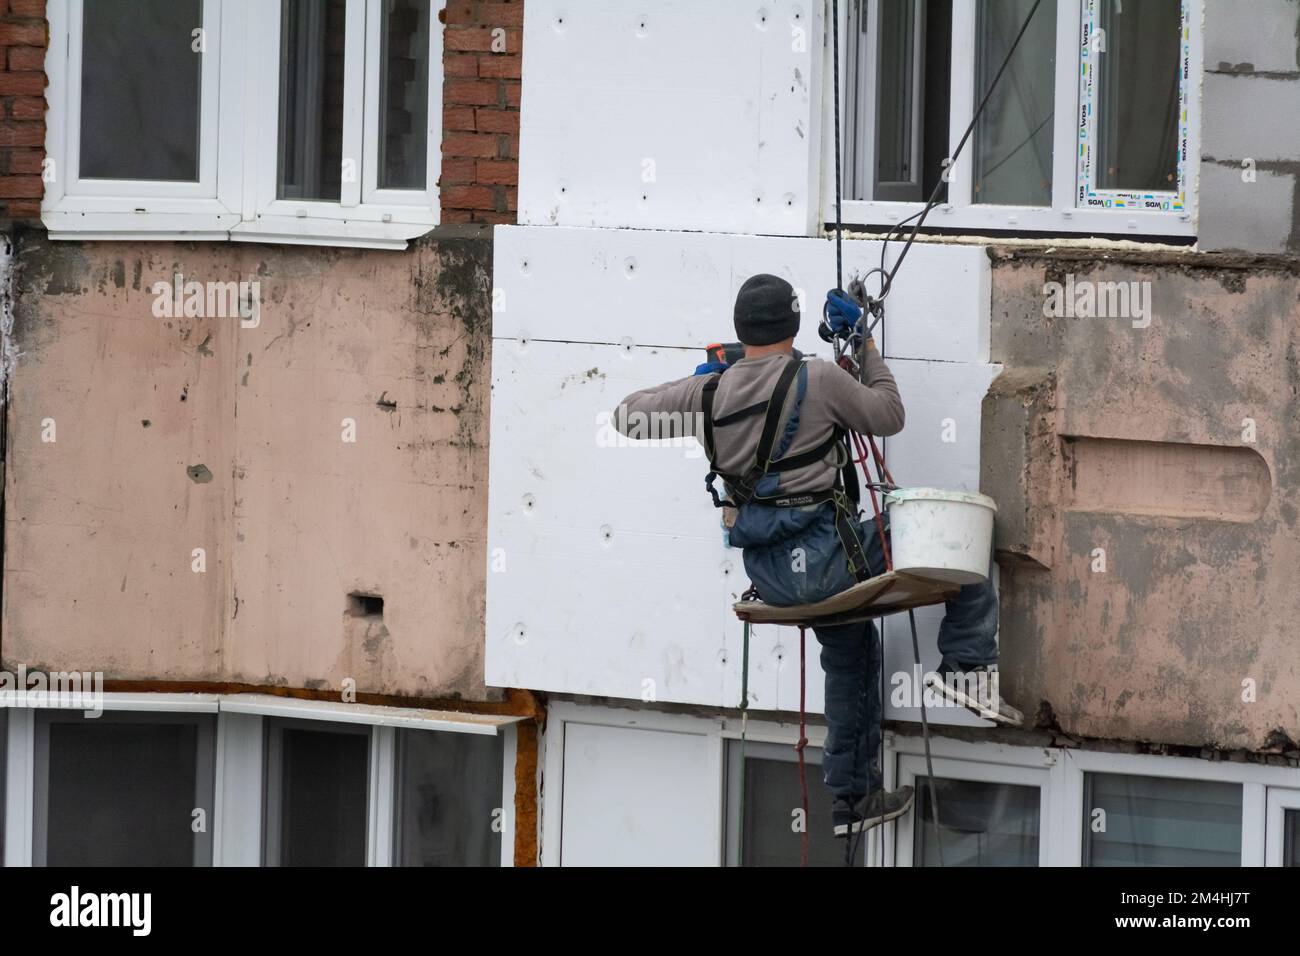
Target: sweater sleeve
[(873, 405), (672, 410)]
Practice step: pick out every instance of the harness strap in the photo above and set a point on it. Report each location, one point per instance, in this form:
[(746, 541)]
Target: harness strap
[(744, 413), (710, 389), (763, 464), (772, 423), (744, 487), (812, 456), (846, 528)]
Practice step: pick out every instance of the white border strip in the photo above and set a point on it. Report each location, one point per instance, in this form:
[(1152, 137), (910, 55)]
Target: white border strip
[(269, 705)]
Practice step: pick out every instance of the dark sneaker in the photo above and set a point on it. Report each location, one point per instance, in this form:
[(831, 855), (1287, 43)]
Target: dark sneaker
[(976, 689), (876, 808)]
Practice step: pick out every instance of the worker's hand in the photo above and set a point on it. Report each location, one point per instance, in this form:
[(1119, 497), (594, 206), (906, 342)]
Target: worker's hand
[(842, 312), (708, 368)]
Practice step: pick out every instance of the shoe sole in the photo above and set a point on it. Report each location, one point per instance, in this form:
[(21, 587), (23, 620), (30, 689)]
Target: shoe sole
[(974, 706), (843, 829)]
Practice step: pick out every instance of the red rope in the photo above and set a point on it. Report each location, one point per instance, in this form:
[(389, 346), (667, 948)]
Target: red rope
[(862, 459), (803, 739)]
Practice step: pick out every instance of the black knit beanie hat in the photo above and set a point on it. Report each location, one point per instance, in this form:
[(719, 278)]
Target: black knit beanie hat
[(767, 310)]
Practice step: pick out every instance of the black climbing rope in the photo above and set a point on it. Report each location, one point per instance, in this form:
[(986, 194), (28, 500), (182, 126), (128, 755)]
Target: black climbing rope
[(874, 310)]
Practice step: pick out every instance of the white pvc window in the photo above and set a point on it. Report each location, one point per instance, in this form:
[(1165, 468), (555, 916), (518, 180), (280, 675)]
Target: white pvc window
[(122, 789), (447, 808), (142, 120), (1089, 129), (4, 763), (278, 781), (766, 792), (1282, 828), (317, 777), (303, 121), (1135, 61), (1001, 803), (1133, 820), (989, 814), (344, 794)]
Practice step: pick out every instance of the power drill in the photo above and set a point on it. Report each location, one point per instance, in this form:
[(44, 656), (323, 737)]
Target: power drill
[(729, 353)]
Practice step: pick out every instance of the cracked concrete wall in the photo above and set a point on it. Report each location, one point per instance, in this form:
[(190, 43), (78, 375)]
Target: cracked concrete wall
[(1250, 142), (1148, 478), (135, 439)]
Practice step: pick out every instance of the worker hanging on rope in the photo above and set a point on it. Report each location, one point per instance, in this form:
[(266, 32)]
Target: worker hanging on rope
[(773, 428)]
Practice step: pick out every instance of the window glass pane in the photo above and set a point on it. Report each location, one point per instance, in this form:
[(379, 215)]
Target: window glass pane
[(1291, 838), (1137, 95), (404, 94), (934, 106), (981, 824), (1152, 821), (895, 90), (913, 62), (121, 790), (140, 87), (772, 795), (317, 796), (1013, 138), (448, 792), (311, 99), (4, 761)]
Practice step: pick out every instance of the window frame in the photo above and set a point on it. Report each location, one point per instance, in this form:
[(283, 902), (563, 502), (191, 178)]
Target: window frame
[(735, 777), (371, 193), (1061, 829), (1057, 770), (859, 161), (911, 768), (205, 768), (1088, 194), (1086, 820), (959, 213), (273, 783), (1279, 801), (235, 199), (206, 185), (391, 770), (235, 821)]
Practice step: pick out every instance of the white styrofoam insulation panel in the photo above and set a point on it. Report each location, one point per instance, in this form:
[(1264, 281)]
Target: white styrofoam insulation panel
[(705, 115), (608, 574), (627, 286)]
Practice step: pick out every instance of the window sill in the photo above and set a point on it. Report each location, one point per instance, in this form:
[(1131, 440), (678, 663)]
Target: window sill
[(63, 224), (100, 226), (352, 233), (977, 219)]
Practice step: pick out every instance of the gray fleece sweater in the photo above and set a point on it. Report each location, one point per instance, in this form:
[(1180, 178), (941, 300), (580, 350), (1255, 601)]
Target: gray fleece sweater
[(834, 397)]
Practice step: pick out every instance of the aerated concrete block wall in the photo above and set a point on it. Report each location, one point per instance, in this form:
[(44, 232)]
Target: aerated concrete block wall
[(1250, 127)]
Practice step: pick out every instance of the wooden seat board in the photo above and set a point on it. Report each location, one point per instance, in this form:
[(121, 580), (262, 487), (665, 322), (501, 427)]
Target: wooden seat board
[(886, 593)]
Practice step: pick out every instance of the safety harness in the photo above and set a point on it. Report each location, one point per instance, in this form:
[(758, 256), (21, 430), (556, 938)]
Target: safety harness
[(743, 489)]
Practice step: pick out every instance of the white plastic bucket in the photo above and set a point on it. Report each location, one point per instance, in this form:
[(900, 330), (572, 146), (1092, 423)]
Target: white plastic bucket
[(940, 534)]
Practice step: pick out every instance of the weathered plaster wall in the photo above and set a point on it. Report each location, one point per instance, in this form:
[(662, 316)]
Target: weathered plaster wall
[(102, 522), (1103, 435)]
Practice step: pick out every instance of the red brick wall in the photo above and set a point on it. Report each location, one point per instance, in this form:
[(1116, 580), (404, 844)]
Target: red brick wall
[(480, 111), (23, 38)]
